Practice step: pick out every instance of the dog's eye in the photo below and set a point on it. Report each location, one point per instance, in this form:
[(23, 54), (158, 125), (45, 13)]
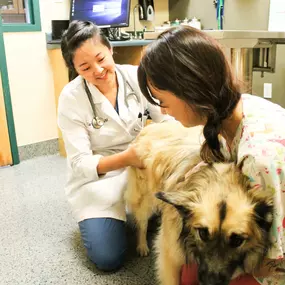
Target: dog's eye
[(204, 234), (236, 240)]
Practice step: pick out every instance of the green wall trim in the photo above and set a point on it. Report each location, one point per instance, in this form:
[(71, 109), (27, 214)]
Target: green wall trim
[(7, 99), (35, 20)]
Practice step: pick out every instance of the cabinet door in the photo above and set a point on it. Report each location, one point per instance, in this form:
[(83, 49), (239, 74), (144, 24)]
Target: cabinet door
[(128, 54), (5, 149), (9, 7), (21, 6)]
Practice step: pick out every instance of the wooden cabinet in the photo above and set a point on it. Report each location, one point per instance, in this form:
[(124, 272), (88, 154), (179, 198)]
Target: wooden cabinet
[(21, 7), (12, 7), (60, 79), (128, 54), (5, 149)]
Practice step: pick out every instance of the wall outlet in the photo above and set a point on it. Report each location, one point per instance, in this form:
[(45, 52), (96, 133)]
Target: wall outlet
[(267, 90)]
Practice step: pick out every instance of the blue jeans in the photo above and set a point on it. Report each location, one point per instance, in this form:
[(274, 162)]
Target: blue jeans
[(106, 242)]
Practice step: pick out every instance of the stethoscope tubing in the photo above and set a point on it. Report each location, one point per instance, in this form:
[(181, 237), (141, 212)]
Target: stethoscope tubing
[(98, 122)]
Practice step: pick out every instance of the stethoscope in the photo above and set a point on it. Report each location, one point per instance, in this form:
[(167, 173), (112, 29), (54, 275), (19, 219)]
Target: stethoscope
[(98, 122)]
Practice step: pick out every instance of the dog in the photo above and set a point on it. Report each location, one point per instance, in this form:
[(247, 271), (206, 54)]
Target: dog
[(209, 213), (167, 151)]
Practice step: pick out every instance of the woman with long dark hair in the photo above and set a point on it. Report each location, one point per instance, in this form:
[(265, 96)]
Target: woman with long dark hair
[(186, 71)]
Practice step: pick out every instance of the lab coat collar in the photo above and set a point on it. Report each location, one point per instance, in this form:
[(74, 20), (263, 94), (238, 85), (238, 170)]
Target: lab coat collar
[(123, 108), (97, 96)]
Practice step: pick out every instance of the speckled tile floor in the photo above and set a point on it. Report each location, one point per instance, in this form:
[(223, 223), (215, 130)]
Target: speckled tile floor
[(40, 241)]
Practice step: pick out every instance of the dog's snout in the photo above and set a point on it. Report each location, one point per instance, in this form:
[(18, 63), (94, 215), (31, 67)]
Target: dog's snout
[(211, 278), (214, 280)]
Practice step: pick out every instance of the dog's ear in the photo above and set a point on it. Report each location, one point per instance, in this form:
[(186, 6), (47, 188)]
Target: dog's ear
[(264, 215), (178, 199), (263, 207)]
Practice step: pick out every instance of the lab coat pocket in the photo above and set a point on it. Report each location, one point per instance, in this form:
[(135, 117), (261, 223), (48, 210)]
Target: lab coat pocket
[(136, 127), (103, 137), (103, 131), (108, 190)]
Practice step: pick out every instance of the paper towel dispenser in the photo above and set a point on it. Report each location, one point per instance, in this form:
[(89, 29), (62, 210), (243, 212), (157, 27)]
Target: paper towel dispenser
[(148, 10), (264, 57)]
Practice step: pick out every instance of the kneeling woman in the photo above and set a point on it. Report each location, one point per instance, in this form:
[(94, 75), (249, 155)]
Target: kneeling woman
[(99, 113)]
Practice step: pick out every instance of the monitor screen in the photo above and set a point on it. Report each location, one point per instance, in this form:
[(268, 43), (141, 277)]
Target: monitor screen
[(103, 13)]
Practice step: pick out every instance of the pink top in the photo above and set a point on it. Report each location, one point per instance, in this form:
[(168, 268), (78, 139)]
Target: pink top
[(260, 142)]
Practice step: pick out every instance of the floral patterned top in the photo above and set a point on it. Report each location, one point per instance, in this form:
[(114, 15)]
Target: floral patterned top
[(260, 142)]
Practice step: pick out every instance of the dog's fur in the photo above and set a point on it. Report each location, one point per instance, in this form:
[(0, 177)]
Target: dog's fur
[(211, 216), (167, 151)]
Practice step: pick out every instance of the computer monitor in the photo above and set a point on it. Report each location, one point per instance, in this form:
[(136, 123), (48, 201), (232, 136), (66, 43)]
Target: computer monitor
[(103, 13)]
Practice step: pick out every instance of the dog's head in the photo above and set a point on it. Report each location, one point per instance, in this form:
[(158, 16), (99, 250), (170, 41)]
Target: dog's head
[(225, 223)]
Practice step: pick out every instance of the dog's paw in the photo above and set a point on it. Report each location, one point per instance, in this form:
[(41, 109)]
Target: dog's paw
[(143, 250)]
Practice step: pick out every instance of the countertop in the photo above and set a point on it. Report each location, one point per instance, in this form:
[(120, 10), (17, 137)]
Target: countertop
[(230, 38), (128, 43), (235, 34)]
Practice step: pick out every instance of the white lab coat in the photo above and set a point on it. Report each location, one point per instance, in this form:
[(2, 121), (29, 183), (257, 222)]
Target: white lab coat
[(89, 195)]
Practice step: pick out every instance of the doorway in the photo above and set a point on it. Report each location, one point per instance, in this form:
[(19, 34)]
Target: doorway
[(8, 143)]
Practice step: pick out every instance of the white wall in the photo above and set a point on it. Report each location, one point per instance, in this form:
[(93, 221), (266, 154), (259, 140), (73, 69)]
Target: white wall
[(31, 86), (30, 73), (31, 81), (51, 10)]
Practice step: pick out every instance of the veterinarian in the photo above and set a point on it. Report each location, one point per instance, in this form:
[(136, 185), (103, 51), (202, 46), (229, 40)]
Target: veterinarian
[(99, 113), (197, 87)]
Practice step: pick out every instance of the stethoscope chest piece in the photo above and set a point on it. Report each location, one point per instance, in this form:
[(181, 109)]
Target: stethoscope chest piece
[(98, 123)]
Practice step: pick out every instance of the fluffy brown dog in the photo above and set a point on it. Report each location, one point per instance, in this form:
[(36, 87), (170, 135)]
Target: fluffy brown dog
[(167, 151), (209, 213)]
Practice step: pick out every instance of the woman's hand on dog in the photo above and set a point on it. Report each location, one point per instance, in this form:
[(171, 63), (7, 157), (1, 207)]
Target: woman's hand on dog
[(132, 158)]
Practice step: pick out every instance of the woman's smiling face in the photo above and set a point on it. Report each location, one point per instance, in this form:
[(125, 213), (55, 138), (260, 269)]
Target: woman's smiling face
[(94, 62)]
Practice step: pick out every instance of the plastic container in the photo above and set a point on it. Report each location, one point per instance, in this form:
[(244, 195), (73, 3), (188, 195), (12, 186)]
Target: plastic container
[(175, 23), (185, 22), (195, 23)]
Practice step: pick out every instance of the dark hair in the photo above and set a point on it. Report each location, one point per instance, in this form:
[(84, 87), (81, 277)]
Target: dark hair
[(192, 65), (76, 34)]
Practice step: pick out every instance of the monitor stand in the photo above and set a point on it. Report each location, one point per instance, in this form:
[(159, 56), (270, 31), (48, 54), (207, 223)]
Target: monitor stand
[(115, 34)]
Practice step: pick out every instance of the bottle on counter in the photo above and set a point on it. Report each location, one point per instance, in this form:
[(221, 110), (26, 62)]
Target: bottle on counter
[(175, 23), (195, 23), (185, 22)]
